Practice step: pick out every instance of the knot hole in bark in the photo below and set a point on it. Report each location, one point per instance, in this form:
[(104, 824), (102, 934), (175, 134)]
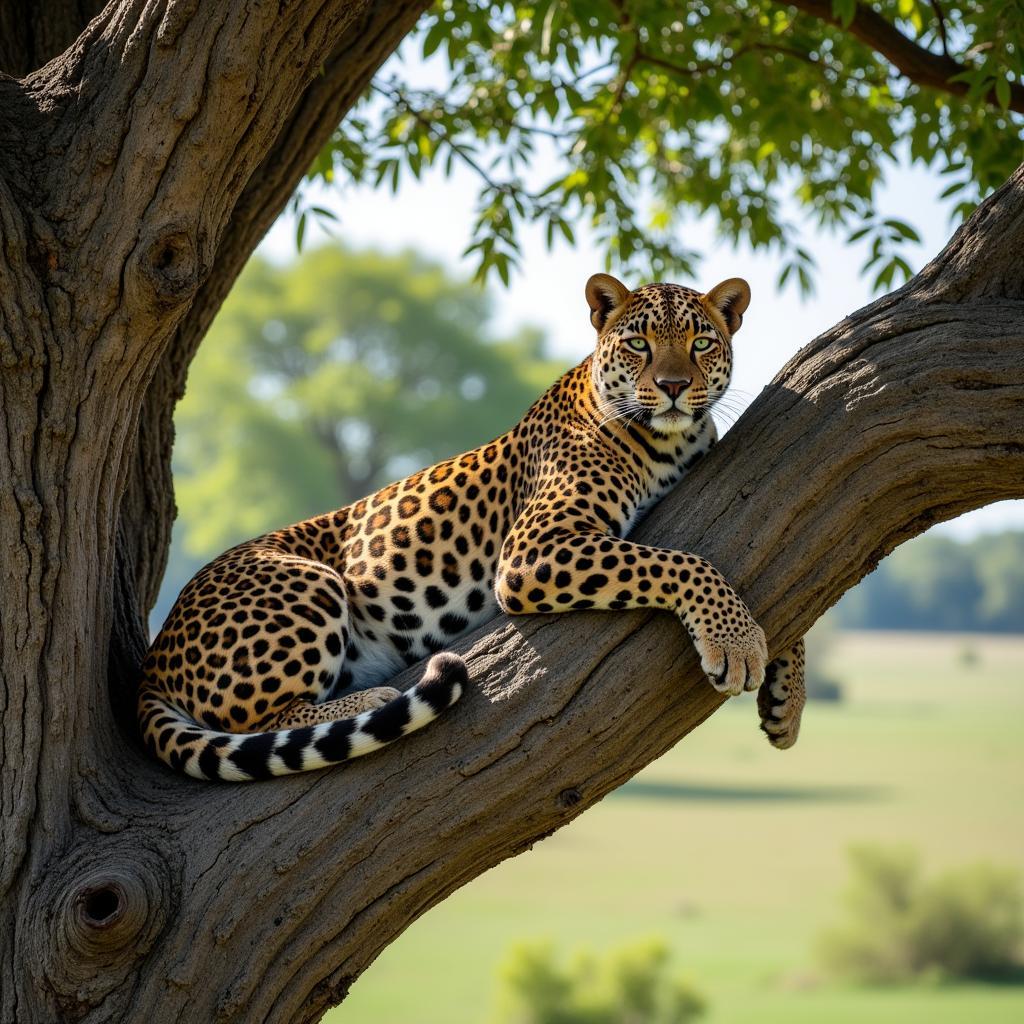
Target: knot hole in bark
[(570, 797), (104, 906), (106, 902), (108, 910), (170, 266)]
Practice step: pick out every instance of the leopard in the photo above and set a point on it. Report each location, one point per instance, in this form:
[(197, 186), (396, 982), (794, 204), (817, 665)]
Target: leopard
[(275, 657)]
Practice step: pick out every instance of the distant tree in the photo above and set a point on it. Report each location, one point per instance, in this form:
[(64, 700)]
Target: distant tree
[(326, 379), (899, 926), (999, 566), (633, 984), (821, 684), (936, 582)]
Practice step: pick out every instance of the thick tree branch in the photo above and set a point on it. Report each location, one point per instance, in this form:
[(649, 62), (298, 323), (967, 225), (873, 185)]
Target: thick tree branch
[(904, 414), (172, 145), (123, 165), (122, 170), (920, 65)]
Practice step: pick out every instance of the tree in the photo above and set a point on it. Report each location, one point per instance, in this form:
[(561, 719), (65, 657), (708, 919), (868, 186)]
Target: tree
[(625, 986), (142, 156), (967, 923)]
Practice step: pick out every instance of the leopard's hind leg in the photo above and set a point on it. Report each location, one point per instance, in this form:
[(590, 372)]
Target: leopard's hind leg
[(780, 701), (305, 712)]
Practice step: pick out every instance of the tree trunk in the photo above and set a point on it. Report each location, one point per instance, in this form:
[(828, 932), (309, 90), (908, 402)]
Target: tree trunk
[(137, 172)]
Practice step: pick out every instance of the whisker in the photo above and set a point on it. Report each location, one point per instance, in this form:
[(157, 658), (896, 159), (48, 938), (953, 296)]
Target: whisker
[(727, 403), (728, 409), (615, 410)]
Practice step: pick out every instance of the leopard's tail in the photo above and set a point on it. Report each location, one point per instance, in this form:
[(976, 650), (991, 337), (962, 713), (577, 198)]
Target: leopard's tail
[(178, 741)]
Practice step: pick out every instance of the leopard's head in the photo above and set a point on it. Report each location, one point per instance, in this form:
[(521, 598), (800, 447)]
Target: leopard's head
[(664, 352)]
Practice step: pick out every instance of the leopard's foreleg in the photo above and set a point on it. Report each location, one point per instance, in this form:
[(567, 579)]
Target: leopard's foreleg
[(548, 565)]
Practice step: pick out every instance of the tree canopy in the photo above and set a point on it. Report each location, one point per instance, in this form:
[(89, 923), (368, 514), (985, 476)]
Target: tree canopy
[(773, 119)]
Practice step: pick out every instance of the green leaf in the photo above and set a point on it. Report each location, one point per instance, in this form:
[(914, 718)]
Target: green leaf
[(1003, 93), (435, 36), (902, 230), (884, 277), (844, 10), (806, 285), (502, 268)]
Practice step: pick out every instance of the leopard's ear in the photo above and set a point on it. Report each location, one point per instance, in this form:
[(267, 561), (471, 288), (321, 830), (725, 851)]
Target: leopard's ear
[(604, 295), (730, 300)]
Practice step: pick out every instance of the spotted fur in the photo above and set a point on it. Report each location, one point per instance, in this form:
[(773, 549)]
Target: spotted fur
[(270, 660), (781, 699)]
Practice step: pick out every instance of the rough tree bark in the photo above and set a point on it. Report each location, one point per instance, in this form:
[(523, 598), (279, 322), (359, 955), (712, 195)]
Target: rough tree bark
[(137, 171)]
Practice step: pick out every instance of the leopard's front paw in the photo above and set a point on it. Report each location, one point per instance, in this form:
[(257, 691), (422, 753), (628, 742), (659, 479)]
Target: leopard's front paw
[(733, 653)]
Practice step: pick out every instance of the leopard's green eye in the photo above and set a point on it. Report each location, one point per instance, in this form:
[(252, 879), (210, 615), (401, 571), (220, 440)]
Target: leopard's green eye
[(636, 344), (702, 344)]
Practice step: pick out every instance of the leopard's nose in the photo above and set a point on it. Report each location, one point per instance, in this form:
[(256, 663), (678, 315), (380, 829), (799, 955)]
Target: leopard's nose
[(672, 388)]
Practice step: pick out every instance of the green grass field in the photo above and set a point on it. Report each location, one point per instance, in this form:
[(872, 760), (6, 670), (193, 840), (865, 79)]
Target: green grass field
[(736, 853)]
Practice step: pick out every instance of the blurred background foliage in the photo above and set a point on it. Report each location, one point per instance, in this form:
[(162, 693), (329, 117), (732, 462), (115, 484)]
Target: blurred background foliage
[(773, 119), (631, 984), (934, 582), (966, 923)]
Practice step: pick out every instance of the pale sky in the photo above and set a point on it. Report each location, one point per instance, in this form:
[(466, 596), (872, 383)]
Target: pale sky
[(434, 215)]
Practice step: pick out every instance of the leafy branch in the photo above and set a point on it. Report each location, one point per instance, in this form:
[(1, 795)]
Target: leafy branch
[(637, 118)]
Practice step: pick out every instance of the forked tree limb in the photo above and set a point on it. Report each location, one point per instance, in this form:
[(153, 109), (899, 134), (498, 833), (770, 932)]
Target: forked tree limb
[(122, 161), (271, 899)]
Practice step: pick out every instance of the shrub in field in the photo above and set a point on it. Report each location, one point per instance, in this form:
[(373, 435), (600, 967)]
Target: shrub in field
[(629, 985), (967, 923)]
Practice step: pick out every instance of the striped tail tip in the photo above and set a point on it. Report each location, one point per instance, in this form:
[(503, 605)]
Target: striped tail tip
[(443, 683)]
